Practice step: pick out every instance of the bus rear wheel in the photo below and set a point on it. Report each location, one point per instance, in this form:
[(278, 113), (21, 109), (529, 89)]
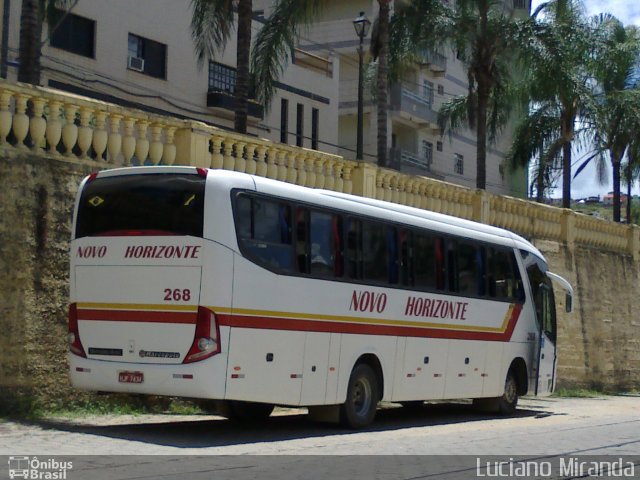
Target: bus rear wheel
[(359, 409), (504, 405), (244, 412)]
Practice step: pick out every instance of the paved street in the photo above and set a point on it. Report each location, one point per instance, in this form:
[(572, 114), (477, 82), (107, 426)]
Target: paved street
[(541, 428)]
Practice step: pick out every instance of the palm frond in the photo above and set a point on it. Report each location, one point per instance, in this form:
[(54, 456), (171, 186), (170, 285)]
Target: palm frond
[(276, 40), (211, 24)]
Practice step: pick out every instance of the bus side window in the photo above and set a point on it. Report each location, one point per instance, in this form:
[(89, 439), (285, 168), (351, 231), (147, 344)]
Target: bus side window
[(406, 255), (440, 264), (323, 243), (468, 269), (425, 261), (338, 245), (268, 239), (244, 218), (502, 283), (354, 249), (375, 253), (452, 265), (302, 235)]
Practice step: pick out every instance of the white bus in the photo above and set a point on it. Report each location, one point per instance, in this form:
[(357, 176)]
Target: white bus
[(252, 292)]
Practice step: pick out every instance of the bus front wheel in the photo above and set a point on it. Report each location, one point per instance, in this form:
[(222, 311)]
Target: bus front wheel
[(359, 409)]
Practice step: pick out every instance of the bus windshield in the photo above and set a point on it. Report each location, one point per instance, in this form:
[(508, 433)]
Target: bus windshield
[(147, 204)]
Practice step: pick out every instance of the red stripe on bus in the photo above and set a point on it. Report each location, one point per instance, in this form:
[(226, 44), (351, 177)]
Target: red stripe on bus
[(271, 323), (137, 316)]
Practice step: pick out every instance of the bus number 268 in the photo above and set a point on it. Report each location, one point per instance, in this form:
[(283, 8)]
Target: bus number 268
[(177, 294)]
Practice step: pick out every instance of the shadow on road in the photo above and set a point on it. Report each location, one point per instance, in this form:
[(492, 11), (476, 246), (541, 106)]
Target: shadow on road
[(221, 432)]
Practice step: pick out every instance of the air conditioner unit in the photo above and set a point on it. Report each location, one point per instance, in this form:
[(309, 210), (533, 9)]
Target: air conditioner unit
[(136, 64)]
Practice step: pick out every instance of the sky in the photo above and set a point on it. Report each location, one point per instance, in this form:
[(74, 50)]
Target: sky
[(628, 12)]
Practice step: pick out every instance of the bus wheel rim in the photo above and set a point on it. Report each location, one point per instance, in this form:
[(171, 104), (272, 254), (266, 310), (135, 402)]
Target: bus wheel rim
[(510, 391), (362, 397)]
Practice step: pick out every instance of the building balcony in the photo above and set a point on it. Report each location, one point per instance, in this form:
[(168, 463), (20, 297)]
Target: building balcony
[(409, 162), (316, 63), (218, 99), (413, 107), (434, 60)]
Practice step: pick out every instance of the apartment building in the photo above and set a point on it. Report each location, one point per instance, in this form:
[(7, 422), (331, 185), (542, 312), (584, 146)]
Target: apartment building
[(140, 54), (416, 143)]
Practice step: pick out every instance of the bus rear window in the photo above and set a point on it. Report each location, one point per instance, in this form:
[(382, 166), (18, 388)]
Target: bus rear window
[(148, 204)]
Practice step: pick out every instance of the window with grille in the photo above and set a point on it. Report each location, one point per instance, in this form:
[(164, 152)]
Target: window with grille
[(222, 78), (427, 152), (459, 164), (427, 92)]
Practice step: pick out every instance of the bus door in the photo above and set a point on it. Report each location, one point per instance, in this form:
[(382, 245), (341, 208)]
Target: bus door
[(546, 320)]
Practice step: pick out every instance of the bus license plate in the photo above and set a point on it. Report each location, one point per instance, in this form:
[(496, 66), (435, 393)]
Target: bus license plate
[(130, 377)]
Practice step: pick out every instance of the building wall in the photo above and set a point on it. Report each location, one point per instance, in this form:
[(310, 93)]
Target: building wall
[(184, 91)]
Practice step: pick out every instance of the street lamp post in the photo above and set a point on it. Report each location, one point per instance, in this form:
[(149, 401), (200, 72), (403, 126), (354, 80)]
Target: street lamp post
[(361, 25)]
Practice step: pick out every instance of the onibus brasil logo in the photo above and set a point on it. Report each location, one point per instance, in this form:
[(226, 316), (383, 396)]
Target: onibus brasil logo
[(32, 468)]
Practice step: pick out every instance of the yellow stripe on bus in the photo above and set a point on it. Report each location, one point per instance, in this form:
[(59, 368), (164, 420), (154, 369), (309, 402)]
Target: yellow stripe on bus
[(138, 306)]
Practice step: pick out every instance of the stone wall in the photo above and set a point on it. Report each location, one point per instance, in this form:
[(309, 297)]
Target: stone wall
[(599, 344), (36, 201)]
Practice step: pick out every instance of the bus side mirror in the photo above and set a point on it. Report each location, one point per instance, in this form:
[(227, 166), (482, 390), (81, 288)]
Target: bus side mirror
[(568, 303)]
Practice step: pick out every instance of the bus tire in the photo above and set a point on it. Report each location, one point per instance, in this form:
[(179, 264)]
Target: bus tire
[(359, 409), (509, 400), (504, 405), (244, 412)]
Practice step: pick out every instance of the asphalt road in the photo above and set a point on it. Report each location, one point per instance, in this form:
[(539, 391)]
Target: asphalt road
[(294, 447)]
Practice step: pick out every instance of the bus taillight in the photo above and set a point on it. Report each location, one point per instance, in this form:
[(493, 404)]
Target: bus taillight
[(206, 341), (75, 345)]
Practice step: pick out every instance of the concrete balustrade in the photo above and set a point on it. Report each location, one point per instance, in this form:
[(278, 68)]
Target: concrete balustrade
[(62, 125)]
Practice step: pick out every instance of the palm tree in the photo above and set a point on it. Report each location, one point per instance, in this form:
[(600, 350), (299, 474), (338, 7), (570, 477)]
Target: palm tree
[(32, 16), (533, 136), (617, 115), (556, 50), (631, 173), (276, 40), (484, 38), (380, 52), (211, 25)]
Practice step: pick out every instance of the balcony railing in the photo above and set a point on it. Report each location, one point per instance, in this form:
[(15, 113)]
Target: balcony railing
[(435, 60), (409, 162), (226, 101), (413, 106), (319, 64)]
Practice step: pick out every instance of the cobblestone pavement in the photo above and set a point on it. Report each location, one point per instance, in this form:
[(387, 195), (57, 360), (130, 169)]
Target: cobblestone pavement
[(598, 426)]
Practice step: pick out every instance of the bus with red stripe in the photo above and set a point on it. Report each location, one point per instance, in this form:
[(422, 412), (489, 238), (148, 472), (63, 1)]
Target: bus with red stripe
[(253, 293)]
